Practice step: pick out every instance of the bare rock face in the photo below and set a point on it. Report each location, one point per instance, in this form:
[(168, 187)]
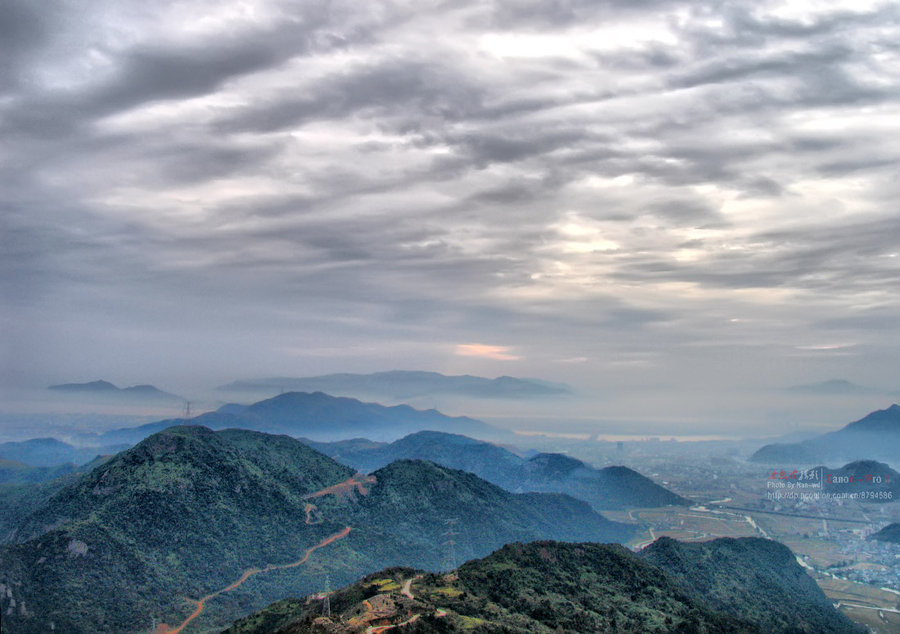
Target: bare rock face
[(326, 625), (77, 548)]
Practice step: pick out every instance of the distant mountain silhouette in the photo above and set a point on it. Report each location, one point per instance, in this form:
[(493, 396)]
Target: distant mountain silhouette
[(873, 481), (884, 421), (890, 533), (316, 416), (92, 386), (875, 436), (402, 384), (12, 472), (608, 488), (832, 387), (50, 452), (107, 389)]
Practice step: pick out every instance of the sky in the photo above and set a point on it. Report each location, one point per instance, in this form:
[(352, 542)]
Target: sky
[(679, 207)]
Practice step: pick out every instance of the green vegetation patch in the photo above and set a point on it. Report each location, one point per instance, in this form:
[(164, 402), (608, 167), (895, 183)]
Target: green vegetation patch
[(448, 591)]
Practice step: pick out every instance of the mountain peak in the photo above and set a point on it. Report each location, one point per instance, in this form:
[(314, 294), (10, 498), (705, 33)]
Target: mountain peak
[(610, 488), (556, 464), (890, 533), (881, 420), (107, 389), (874, 436), (437, 436), (733, 574)]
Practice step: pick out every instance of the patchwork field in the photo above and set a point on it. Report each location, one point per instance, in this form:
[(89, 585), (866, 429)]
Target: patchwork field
[(875, 608)]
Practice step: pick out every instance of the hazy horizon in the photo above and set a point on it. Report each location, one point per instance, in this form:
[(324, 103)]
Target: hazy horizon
[(615, 415), (679, 208)]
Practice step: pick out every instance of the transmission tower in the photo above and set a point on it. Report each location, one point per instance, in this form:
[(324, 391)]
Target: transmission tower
[(326, 600), (449, 544), (187, 410)]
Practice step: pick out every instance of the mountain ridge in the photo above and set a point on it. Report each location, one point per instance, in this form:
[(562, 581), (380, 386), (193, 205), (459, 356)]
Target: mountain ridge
[(107, 389), (405, 384), (610, 488), (189, 510), (874, 436), (547, 586), (51, 452), (315, 415), (890, 533)]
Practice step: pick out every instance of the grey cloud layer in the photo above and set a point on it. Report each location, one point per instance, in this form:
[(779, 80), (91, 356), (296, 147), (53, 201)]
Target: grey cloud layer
[(536, 175)]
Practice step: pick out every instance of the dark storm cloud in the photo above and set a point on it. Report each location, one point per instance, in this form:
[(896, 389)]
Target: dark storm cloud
[(183, 162), (396, 85), (160, 70), (564, 13), (762, 186), (151, 74), (162, 74), (691, 212), (24, 28), (754, 29), (806, 65)]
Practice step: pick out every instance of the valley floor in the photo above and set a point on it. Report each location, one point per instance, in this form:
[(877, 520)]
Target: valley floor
[(861, 576)]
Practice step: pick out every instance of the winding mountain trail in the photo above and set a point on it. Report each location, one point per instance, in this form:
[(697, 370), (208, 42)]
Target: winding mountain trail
[(358, 483), (405, 590), (201, 603), (378, 629)]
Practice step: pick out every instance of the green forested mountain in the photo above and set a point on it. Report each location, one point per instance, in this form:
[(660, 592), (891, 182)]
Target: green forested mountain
[(142, 537), (545, 587), (485, 459), (20, 499), (416, 502), (753, 578), (614, 487), (25, 489), (183, 511)]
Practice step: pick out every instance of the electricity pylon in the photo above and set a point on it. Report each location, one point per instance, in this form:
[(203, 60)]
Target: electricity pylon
[(326, 601), (450, 544)]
